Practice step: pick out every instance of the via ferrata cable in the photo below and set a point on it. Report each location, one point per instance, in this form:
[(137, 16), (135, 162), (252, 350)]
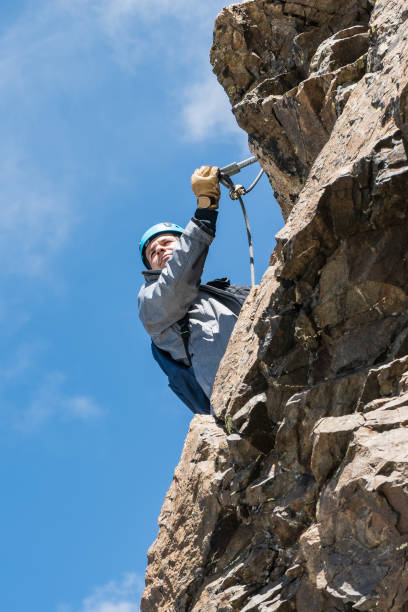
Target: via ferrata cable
[(237, 192)]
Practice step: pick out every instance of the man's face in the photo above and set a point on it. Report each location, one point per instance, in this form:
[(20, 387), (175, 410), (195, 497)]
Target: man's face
[(160, 249)]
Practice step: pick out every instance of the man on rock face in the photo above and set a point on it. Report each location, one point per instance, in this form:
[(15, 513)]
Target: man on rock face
[(190, 324)]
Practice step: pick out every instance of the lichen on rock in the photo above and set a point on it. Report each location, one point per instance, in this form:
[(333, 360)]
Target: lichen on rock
[(294, 497)]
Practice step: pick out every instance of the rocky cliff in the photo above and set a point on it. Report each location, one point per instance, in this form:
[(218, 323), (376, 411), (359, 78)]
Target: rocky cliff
[(295, 497)]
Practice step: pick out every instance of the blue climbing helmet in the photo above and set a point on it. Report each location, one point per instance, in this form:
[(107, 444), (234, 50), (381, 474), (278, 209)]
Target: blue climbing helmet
[(152, 232)]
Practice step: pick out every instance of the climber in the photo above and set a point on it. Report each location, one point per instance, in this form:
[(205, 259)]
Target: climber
[(189, 323)]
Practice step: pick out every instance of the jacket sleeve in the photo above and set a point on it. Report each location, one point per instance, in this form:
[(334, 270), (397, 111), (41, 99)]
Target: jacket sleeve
[(166, 301)]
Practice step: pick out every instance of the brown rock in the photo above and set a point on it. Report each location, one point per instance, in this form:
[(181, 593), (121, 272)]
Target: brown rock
[(262, 52), (200, 526), (357, 522), (296, 497)]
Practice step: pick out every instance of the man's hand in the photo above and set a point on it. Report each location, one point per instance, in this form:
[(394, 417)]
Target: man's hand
[(206, 186)]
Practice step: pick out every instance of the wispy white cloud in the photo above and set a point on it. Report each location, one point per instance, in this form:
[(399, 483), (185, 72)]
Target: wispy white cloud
[(41, 51), (207, 112), (23, 359), (53, 42), (116, 596), (137, 29), (63, 607), (62, 46), (183, 10), (35, 219), (13, 317), (123, 596), (40, 55), (37, 214), (49, 402)]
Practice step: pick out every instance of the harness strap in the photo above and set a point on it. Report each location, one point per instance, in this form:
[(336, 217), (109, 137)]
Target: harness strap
[(185, 335), (230, 295)]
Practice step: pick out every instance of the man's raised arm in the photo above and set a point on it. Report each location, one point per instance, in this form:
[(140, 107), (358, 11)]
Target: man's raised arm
[(168, 293)]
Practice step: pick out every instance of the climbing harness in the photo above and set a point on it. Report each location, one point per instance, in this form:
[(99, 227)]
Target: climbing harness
[(237, 192)]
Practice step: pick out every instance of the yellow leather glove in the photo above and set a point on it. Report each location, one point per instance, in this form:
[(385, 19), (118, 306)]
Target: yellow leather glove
[(206, 186)]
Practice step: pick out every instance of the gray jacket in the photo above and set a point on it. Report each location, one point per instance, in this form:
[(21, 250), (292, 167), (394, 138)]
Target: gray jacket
[(168, 294)]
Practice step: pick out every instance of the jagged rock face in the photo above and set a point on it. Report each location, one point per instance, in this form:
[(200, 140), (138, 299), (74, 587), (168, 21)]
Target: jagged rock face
[(307, 506), (189, 521), (288, 69)]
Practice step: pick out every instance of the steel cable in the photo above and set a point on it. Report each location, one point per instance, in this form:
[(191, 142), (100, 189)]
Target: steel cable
[(256, 181), (235, 195)]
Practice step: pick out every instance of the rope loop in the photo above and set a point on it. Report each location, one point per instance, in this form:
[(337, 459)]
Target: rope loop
[(237, 192)]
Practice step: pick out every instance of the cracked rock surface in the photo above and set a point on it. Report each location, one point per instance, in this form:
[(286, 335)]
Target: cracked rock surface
[(295, 496)]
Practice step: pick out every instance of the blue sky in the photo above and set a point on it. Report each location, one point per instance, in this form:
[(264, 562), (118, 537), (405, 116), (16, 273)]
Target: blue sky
[(106, 108)]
